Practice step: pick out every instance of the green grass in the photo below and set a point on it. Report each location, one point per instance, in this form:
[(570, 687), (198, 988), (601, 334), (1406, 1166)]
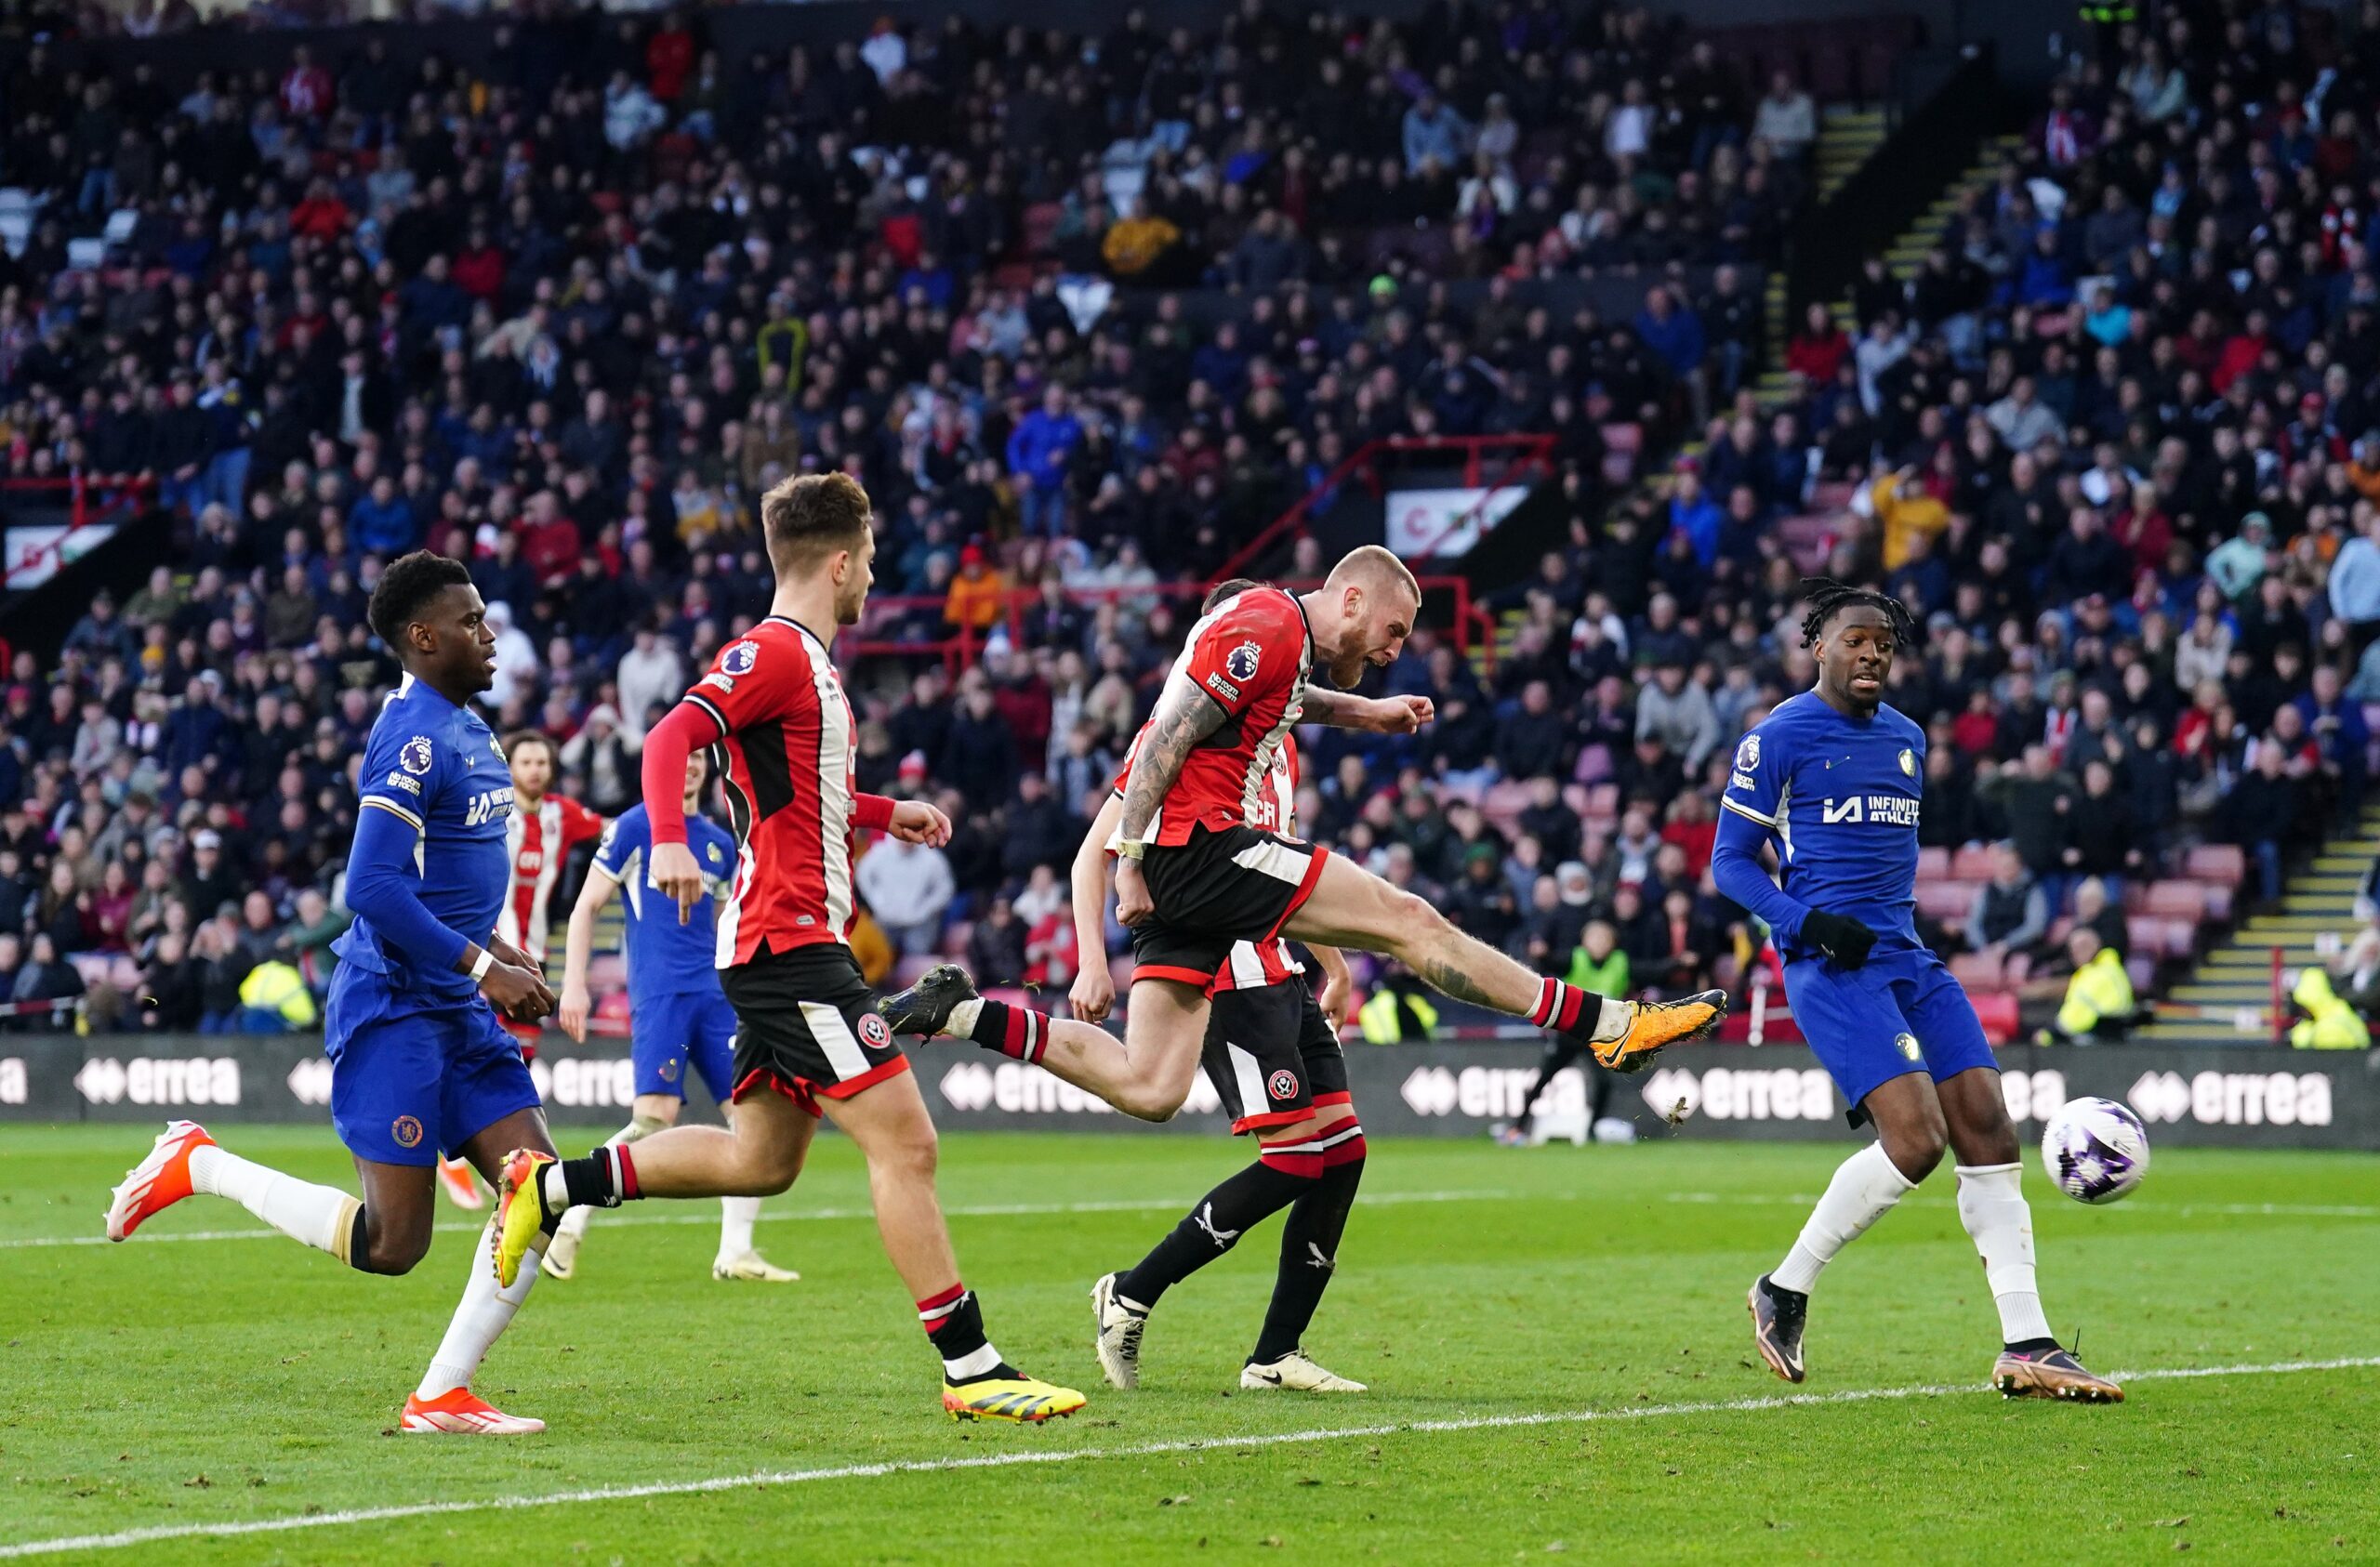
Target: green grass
[(173, 1385)]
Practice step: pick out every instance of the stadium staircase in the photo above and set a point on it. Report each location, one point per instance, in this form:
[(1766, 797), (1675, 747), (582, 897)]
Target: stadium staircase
[(2228, 998)]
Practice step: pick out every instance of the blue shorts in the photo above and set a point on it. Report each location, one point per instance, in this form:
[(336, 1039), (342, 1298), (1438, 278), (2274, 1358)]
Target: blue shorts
[(408, 1081), (1898, 1012), (667, 1032)]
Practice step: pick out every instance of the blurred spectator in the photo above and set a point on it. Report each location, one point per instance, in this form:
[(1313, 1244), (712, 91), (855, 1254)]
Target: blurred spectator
[(908, 887)]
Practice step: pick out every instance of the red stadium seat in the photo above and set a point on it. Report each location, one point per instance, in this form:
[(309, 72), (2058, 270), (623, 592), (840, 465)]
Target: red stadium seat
[(1971, 864), (1932, 864), (1944, 900), (1997, 1013), (1977, 972), (606, 972), (610, 1014), (2177, 900), (2148, 933), (2221, 862), (2181, 937), (1603, 799)]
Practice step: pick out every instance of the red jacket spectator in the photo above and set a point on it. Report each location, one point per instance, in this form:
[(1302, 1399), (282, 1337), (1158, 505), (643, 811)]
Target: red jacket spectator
[(479, 270), (669, 61), (549, 542)]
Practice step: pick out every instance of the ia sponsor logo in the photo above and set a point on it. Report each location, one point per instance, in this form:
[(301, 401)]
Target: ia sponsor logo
[(1015, 1088), (160, 1080), (585, 1081), (2234, 1099), (1733, 1093)]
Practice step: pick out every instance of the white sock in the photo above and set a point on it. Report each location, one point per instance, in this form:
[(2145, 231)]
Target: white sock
[(963, 1018), (1864, 1189), (323, 1216), (735, 1217), (484, 1313), (1992, 1206), (1613, 1019)]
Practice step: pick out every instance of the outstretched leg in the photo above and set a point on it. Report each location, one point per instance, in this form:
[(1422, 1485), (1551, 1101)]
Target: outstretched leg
[(1351, 907), (1146, 1075)]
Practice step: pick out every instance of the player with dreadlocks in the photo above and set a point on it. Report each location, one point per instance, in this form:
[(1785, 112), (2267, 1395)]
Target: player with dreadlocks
[(1833, 779)]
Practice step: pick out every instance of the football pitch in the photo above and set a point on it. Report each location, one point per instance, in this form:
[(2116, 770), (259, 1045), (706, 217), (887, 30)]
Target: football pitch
[(1555, 1341)]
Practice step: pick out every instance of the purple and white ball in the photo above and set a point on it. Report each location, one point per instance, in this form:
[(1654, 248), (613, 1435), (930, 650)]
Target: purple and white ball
[(2095, 1151)]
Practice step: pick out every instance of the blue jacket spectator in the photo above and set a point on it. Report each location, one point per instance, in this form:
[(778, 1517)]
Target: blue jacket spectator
[(382, 521), (1672, 331), (1433, 132)]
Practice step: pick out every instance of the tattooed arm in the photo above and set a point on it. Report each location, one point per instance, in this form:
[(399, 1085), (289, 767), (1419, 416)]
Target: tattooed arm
[(1184, 715), (1389, 715)]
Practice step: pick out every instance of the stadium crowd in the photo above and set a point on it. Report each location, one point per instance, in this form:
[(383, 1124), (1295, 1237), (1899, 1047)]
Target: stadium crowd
[(568, 319), (2110, 442)]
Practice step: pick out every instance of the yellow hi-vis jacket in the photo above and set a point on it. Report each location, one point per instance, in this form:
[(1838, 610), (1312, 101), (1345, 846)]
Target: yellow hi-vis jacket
[(2334, 1024), (2099, 989), (1379, 1020), (278, 987)]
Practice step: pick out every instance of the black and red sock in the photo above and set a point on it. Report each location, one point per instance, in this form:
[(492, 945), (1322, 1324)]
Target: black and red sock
[(1561, 1008), (1310, 1242), (954, 1322), (604, 1179), (1015, 1032), (1215, 1225)]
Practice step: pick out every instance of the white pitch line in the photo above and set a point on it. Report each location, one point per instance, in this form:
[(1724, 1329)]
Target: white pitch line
[(1142, 1449), (981, 1210), (2251, 1210), (1022, 1210)]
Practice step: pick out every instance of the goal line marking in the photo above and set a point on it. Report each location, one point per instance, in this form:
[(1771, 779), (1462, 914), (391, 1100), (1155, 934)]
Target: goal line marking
[(765, 1478)]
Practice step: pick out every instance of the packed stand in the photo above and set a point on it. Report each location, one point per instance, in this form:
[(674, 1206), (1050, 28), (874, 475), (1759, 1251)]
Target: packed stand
[(2116, 442), (569, 325)]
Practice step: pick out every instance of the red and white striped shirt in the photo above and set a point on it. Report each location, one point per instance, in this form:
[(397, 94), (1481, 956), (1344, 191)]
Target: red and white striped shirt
[(540, 842), (1250, 657), (775, 708)]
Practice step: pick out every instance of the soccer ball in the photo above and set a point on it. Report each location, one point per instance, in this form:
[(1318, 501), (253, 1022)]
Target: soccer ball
[(2096, 1150)]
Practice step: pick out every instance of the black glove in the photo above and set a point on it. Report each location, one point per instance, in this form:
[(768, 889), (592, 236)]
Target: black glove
[(1844, 940)]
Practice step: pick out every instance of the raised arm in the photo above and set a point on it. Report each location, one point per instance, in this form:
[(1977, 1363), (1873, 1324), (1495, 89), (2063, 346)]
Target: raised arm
[(1381, 715)]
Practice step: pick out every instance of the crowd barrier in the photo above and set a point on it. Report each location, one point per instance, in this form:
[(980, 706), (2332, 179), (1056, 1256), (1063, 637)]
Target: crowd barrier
[(2235, 1097)]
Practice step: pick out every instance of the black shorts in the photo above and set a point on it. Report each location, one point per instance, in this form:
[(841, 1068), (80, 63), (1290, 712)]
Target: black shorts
[(1271, 1056), (806, 1026), (1226, 885)]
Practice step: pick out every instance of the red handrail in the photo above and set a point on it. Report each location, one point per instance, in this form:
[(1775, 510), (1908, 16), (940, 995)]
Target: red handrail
[(958, 650), (83, 511), (1532, 454)]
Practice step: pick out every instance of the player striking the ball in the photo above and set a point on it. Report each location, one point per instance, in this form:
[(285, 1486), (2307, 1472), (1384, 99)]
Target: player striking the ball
[(1833, 778), (1196, 875), (808, 1041), (1272, 1052), (679, 1019), (418, 1060)]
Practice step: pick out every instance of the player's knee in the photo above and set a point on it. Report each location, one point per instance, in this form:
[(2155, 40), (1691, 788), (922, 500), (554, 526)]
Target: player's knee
[(1916, 1151), (393, 1251), (913, 1152), (1152, 1101)]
